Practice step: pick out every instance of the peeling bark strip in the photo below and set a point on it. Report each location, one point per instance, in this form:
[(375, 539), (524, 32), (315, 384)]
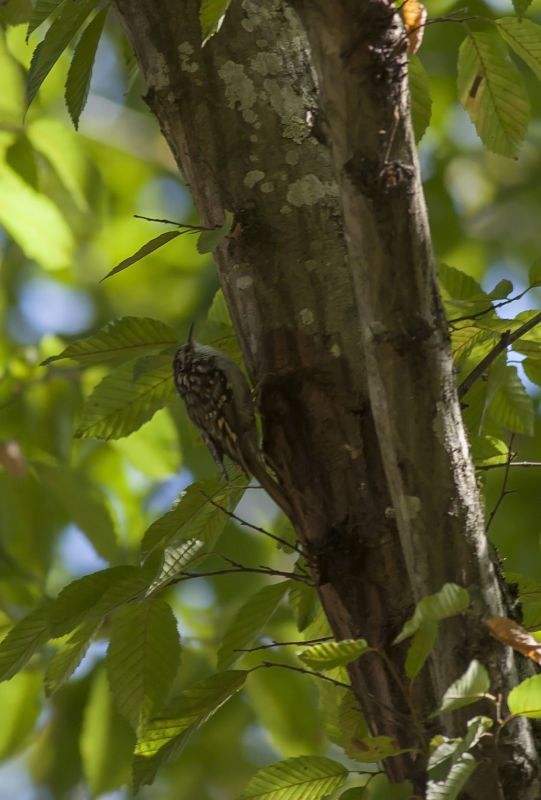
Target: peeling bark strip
[(348, 346)]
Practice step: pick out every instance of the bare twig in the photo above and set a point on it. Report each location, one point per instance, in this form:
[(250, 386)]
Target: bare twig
[(506, 339), (246, 524), (267, 664), (503, 491), (185, 576), (303, 578), (494, 306), (284, 644), (194, 228), (508, 464)]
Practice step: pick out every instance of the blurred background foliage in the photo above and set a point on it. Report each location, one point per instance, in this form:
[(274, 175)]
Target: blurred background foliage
[(69, 507)]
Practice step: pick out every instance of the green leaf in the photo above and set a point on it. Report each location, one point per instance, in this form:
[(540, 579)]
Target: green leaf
[(145, 250), (492, 91), (304, 604), (525, 699), (96, 594), (164, 736), (68, 658), (469, 688), (199, 514), (521, 6), (121, 339), (120, 404), (343, 722), (65, 25), (211, 16), (328, 655), (41, 11), (106, 740), (421, 101), (302, 778), (524, 37), (459, 285), (421, 646), (22, 641), (84, 505), (510, 404), (34, 222), (530, 599), (450, 600), (143, 658), (21, 707), (488, 450), (456, 779), (249, 620), (82, 63), (534, 273), (375, 748), (209, 240), (502, 290)]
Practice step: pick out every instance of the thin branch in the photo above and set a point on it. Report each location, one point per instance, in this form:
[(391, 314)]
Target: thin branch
[(194, 228), (503, 491), (508, 465), (323, 677), (284, 644), (246, 524), (303, 578), (494, 306), (506, 339), (185, 576)]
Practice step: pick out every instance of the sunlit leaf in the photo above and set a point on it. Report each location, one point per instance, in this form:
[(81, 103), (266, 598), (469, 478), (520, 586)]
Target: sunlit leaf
[(525, 699), (211, 17), (121, 339), (82, 63), (143, 658), (65, 25), (20, 704), (299, 778), (34, 222), (121, 403), (176, 560), (492, 91), (327, 655), (250, 619)]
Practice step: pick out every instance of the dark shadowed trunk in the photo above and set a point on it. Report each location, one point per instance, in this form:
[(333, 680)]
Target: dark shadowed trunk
[(330, 281)]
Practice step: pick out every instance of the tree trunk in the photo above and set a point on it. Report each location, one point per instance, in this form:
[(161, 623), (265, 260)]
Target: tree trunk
[(347, 345)]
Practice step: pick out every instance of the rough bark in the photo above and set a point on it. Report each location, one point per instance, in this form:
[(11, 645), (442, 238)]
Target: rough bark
[(347, 344)]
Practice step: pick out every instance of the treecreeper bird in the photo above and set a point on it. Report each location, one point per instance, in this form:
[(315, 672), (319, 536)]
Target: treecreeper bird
[(219, 403)]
